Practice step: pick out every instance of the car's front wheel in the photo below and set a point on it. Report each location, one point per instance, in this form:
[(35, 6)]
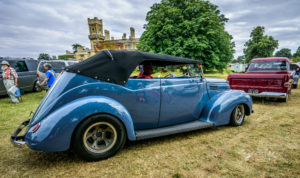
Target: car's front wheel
[(295, 85), (99, 137), (238, 115), (285, 99)]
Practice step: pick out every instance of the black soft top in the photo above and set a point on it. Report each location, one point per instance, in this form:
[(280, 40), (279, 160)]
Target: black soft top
[(116, 66)]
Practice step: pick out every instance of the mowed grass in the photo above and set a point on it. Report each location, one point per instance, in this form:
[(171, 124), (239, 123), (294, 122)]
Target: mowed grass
[(266, 145)]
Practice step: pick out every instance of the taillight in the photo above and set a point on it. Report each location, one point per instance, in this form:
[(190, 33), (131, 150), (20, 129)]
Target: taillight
[(36, 127), (37, 76), (286, 84)]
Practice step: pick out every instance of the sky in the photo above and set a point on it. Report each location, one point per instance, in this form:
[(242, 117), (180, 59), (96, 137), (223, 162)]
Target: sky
[(30, 27)]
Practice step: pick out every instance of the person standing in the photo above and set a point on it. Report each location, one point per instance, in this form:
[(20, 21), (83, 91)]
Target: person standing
[(10, 79), (50, 75)]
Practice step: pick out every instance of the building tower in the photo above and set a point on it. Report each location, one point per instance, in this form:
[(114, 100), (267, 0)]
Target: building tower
[(96, 31)]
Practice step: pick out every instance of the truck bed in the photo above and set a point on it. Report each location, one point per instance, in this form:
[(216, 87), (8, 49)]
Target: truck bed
[(261, 82)]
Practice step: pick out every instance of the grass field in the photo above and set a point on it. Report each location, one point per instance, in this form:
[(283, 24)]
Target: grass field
[(266, 145)]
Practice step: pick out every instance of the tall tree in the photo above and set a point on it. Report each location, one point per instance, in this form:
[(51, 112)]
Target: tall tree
[(241, 59), (259, 45), (75, 46), (44, 56), (190, 28), (284, 52), (297, 53)]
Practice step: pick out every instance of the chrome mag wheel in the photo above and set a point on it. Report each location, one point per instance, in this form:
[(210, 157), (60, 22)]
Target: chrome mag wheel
[(100, 137), (238, 115)]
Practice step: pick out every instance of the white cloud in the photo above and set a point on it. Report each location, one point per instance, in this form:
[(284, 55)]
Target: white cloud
[(30, 27)]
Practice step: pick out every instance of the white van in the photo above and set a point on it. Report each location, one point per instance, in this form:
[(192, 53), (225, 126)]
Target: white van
[(57, 65)]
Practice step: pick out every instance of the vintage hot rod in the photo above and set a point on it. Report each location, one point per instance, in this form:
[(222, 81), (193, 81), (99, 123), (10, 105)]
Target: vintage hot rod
[(96, 105)]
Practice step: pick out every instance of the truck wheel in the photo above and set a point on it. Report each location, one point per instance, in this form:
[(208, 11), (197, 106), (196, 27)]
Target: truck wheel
[(295, 85), (238, 115), (98, 137), (284, 99)]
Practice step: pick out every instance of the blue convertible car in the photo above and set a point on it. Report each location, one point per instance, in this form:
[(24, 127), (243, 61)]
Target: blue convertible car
[(96, 105)]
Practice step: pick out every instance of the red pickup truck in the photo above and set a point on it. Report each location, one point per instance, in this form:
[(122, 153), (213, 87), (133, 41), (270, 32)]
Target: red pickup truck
[(265, 77)]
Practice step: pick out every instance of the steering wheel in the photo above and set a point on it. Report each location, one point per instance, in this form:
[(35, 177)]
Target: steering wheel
[(186, 74)]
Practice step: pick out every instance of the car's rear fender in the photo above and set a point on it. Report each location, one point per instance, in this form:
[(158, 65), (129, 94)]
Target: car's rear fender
[(55, 131), (219, 108)]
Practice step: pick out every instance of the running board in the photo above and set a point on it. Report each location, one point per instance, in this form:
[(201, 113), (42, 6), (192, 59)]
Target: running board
[(174, 129)]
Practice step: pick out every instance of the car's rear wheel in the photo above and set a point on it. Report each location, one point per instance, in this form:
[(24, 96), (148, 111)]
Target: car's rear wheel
[(238, 115), (295, 85), (99, 137), (285, 99)]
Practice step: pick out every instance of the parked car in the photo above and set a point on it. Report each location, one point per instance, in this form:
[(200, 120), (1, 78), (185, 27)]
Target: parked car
[(265, 77), (26, 70), (96, 105), (293, 68), (57, 65)]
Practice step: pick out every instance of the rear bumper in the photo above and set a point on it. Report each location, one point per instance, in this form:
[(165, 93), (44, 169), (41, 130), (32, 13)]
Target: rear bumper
[(15, 138), (269, 95)]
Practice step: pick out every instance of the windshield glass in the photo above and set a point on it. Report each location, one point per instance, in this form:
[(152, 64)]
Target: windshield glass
[(170, 71), (268, 66)]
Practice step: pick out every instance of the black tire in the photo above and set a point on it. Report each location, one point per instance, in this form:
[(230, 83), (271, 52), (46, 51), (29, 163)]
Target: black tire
[(238, 115), (99, 137), (295, 85), (284, 100)]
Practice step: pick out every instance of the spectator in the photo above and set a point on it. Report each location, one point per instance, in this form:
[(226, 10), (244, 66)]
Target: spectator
[(50, 75), (10, 80)]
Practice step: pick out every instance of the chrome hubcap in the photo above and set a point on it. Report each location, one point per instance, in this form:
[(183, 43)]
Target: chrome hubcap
[(239, 113), (100, 137)]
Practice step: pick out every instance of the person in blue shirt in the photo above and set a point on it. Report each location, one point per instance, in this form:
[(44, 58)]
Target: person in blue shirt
[(50, 75)]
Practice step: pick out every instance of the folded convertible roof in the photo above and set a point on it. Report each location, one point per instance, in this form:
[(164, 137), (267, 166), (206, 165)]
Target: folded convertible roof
[(116, 66)]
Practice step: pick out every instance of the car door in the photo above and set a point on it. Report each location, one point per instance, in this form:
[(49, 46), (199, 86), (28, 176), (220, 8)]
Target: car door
[(24, 79), (142, 100), (181, 100), (32, 66)]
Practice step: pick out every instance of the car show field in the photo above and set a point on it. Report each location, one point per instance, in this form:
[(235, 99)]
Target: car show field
[(267, 144)]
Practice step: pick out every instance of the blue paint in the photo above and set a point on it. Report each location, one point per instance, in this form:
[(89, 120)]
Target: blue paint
[(219, 108), (140, 104), (180, 100), (57, 128)]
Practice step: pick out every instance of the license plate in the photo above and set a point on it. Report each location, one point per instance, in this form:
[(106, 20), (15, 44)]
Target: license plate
[(252, 91)]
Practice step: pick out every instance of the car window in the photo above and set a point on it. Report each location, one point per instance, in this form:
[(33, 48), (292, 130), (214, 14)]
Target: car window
[(11, 62), (20, 66), (32, 65), (41, 66), (71, 63), (268, 66), (168, 71), (56, 66), (293, 67)]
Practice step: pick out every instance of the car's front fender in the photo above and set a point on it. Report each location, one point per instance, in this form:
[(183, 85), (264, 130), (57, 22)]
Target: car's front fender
[(55, 131), (219, 108)]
